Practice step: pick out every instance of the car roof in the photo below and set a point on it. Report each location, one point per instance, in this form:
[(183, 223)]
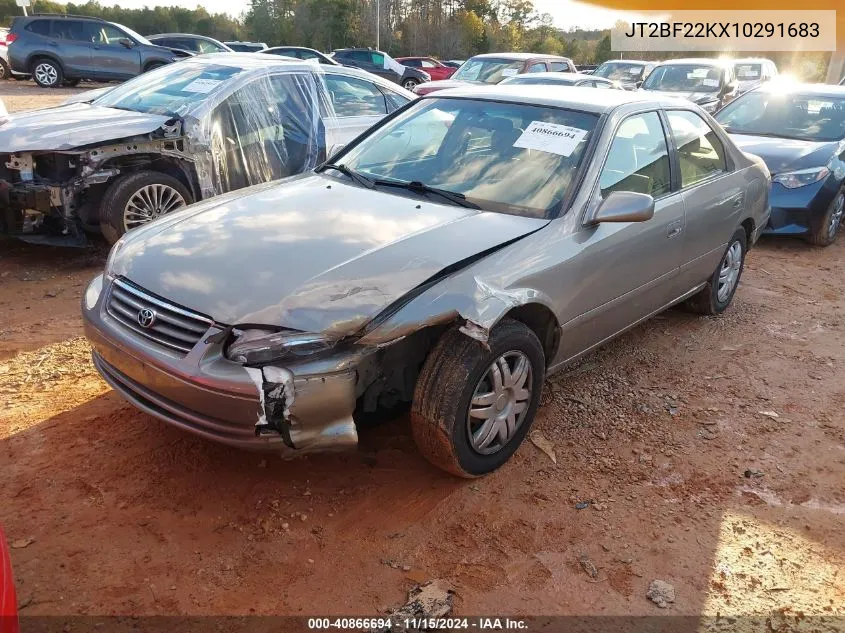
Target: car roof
[(188, 35), (627, 61), (703, 61), (746, 60), (562, 76), (572, 97), (819, 90), (518, 56), (294, 48)]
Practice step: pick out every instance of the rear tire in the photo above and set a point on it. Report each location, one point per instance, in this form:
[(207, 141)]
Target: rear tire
[(5, 71), (457, 378), (830, 223), (47, 73), (165, 194), (717, 295), (410, 84)]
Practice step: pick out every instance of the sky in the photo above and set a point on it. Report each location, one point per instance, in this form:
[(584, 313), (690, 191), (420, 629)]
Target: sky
[(563, 11)]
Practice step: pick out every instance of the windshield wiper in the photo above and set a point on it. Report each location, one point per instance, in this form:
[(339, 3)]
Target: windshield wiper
[(343, 169), (416, 186)]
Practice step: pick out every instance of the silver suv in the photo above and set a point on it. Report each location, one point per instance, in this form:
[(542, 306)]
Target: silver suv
[(63, 49)]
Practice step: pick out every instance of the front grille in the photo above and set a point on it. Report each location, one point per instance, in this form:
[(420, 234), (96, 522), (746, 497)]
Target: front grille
[(172, 326)]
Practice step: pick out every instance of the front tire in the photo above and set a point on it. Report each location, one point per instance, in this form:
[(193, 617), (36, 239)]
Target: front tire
[(828, 228), (717, 295), (410, 84), (137, 198), (47, 73), (474, 403), (153, 66)]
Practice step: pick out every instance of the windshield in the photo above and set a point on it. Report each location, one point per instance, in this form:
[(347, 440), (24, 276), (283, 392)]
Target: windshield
[(171, 90), (136, 36), (503, 157), (748, 72), (490, 71), (803, 117), (619, 71), (684, 78)]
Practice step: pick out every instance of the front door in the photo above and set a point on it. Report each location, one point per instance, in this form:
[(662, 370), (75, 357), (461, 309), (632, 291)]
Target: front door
[(623, 272), (109, 58)]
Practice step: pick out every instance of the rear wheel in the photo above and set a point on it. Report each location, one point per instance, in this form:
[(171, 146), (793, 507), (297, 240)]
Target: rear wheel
[(47, 73), (830, 223), (5, 71), (135, 199), (410, 84), (717, 295), (474, 403)]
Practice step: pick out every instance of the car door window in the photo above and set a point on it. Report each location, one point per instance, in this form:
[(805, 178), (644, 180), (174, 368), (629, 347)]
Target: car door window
[(539, 67), (377, 59), (412, 63), (602, 84), (560, 67), (428, 64), (638, 159), (394, 100), (105, 34), (354, 97), (700, 152), (71, 30)]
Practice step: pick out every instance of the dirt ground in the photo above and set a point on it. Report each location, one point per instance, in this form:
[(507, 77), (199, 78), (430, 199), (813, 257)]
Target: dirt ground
[(711, 452)]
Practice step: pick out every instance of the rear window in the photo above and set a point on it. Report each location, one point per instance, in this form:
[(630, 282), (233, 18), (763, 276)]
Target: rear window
[(39, 27)]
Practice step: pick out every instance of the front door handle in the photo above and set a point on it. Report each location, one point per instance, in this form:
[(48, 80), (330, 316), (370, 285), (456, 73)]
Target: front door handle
[(675, 229), (737, 202)]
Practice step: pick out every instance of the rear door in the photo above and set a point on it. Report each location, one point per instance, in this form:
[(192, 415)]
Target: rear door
[(625, 271), (712, 192), (109, 58), (73, 48)]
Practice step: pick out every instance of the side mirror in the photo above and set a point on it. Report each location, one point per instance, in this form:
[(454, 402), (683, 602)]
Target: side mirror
[(625, 206), (126, 42)]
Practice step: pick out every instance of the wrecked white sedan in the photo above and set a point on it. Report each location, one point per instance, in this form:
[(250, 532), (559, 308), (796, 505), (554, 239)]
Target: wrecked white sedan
[(172, 136), (452, 269)]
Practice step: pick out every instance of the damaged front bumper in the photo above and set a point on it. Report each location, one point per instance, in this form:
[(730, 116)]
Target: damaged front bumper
[(302, 408), (41, 213)]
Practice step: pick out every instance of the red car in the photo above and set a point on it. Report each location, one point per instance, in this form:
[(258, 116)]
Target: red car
[(8, 601), (436, 69)]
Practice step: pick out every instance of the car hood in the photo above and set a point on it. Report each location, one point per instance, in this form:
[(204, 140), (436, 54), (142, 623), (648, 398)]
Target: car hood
[(783, 154), (311, 253), (74, 125), (695, 97)]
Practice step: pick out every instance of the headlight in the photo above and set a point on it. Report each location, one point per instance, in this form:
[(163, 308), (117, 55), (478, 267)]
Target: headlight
[(258, 347), (802, 177), (92, 292), (113, 252)]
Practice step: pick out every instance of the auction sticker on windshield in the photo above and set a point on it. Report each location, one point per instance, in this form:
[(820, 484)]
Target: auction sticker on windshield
[(551, 137), (203, 86)]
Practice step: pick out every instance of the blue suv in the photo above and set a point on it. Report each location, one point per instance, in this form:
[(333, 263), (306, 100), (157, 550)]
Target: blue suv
[(62, 49)]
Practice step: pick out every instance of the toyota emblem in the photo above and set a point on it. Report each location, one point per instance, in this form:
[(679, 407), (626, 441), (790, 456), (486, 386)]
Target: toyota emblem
[(146, 318)]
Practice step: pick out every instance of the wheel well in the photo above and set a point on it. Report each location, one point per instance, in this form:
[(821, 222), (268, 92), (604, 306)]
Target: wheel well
[(171, 167), (39, 56), (748, 225), (543, 323)]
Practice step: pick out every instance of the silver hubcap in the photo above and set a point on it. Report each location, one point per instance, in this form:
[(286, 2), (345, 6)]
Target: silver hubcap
[(729, 273), (46, 74), (499, 403), (150, 202), (836, 216)]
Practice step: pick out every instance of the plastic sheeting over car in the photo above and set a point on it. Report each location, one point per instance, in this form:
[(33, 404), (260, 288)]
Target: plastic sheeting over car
[(271, 128)]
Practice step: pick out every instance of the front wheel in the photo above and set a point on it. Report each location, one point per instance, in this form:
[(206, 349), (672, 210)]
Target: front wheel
[(47, 73), (135, 199), (828, 226), (153, 66), (717, 295), (410, 84), (474, 403)]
